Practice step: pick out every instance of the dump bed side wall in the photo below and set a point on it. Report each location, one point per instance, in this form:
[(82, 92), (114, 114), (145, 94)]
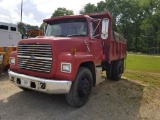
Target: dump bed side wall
[(117, 50)]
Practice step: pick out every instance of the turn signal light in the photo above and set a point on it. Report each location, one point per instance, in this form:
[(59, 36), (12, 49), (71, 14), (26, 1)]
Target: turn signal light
[(73, 51)]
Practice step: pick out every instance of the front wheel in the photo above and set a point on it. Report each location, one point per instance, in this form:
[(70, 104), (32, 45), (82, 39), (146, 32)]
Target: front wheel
[(81, 88)]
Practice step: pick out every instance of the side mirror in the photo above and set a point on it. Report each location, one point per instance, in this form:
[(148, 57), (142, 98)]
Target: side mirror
[(105, 26)]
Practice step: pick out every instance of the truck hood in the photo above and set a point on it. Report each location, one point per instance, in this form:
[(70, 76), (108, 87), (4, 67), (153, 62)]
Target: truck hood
[(60, 44)]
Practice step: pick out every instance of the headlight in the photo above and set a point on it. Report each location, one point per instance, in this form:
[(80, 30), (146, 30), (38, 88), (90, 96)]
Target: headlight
[(12, 60), (66, 67)]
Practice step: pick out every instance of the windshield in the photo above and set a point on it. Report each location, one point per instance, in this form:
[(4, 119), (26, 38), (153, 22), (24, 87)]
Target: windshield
[(67, 27)]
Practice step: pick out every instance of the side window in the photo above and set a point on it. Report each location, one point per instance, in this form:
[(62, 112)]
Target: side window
[(3, 27), (13, 28), (94, 30)]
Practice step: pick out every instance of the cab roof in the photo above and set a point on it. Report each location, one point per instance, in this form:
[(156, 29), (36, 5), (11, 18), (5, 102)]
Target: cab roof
[(99, 15)]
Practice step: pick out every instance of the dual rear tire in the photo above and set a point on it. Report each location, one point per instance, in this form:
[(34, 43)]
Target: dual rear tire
[(115, 69)]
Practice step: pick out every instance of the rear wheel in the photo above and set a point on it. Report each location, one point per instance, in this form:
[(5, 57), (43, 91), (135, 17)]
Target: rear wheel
[(118, 69), (81, 88), (109, 70)]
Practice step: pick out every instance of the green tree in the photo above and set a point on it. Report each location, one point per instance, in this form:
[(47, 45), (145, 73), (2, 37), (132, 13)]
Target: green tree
[(62, 12), (101, 6), (150, 25), (22, 27), (88, 8)]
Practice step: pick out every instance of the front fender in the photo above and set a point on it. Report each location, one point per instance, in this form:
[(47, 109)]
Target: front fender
[(75, 61)]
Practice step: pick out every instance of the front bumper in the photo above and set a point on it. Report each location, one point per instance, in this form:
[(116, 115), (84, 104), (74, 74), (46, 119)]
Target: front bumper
[(39, 84)]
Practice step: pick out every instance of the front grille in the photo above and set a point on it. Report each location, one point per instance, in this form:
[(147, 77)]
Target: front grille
[(35, 57)]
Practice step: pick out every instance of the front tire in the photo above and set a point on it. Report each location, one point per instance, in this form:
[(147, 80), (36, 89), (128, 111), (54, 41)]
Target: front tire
[(81, 88)]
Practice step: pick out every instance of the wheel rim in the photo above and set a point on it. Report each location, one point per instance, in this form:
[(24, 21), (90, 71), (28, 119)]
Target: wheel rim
[(84, 88)]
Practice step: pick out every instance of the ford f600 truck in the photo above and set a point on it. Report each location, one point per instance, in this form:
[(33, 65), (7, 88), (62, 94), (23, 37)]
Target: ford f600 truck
[(70, 58)]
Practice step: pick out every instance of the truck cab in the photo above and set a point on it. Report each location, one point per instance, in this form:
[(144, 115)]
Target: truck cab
[(70, 58)]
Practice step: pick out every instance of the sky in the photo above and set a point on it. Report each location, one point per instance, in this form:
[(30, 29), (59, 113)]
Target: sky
[(34, 11)]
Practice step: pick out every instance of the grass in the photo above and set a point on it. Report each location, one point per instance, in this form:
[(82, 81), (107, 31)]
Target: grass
[(144, 69), (143, 63), (147, 79)]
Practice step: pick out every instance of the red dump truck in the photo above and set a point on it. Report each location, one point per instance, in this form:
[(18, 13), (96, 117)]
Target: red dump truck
[(70, 58)]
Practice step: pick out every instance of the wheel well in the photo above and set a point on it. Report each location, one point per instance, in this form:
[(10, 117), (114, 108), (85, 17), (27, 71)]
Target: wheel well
[(91, 67)]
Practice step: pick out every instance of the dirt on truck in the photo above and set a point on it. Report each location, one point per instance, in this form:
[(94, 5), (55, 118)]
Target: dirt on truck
[(70, 58)]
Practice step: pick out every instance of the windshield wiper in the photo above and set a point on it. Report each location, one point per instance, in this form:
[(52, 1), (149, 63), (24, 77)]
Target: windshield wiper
[(75, 35)]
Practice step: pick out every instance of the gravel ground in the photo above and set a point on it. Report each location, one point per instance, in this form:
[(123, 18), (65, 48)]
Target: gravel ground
[(122, 100)]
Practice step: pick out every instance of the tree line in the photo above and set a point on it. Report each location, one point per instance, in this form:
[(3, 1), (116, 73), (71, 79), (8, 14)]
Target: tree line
[(137, 20)]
